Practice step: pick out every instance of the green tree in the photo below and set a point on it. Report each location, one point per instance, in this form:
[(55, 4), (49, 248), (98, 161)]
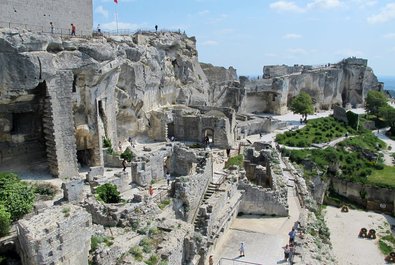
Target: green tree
[(16, 196), (108, 193), (374, 101), (388, 114), (302, 104), (5, 221)]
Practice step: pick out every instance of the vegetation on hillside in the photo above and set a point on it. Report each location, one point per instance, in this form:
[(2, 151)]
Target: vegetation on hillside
[(237, 160), (355, 159), (319, 130)]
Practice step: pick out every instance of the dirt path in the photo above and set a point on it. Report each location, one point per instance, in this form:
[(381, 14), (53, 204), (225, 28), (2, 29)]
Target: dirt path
[(344, 229)]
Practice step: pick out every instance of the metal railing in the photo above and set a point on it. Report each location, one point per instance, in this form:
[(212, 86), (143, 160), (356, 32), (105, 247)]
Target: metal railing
[(67, 31), (226, 261), (44, 29)]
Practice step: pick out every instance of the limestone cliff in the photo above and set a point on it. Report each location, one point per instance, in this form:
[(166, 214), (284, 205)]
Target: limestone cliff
[(346, 82), (63, 94)]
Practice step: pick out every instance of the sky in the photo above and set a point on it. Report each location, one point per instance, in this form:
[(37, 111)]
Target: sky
[(248, 34)]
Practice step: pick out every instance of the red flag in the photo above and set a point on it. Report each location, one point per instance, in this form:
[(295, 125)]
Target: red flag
[(116, 1)]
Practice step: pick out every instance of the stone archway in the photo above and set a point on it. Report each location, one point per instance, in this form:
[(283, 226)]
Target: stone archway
[(208, 133)]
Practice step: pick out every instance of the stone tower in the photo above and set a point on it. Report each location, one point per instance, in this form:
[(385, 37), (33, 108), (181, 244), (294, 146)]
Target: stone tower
[(36, 15)]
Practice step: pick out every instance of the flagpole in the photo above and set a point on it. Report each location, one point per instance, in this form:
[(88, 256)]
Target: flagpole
[(116, 15)]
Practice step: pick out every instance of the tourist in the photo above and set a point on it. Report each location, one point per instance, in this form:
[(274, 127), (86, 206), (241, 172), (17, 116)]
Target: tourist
[(151, 190), (292, 234), (291, 253), (168, 178), (242, 246), (120, 146), (228, 152), (124, 163), (72, 29), (156, 28), (98, 28), (52, 27), (286, 252), (210, 260)]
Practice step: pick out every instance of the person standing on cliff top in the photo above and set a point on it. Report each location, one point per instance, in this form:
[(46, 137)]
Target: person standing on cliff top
[(156, 28), (72, 29), (51, 25)]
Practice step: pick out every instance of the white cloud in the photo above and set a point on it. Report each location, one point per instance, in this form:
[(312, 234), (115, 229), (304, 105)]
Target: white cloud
[(209, 43), (313, 4), (389, 36), (386, 14), (102, 11), (297, 51), (348, 53), (326, 4), (363, 3), (286, 6), (292, 36)]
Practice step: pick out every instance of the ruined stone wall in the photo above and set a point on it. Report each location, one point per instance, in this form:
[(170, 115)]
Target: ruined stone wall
[(281, 70), (59, 235), (373, 198), (35, 15), (150, 167), (217, 74), (191, 187), (340, 114), (62, 158), (257, 200)]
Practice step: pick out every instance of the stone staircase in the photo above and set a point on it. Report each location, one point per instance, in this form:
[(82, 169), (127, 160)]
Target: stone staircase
[(201, 219), (49, 137)]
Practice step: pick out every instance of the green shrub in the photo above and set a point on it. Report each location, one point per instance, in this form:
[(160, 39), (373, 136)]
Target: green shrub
[(153, 260), (96, 240), (137, 253), (107, 143), (46, 190), (5, 221), (16, 196), (146, 244), (108, 193), (163, 204), (153, 231), (127, 154), (235, 161)]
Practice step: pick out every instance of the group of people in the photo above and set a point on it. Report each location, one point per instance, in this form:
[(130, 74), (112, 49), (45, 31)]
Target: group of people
[(289, 249), (52, 27)]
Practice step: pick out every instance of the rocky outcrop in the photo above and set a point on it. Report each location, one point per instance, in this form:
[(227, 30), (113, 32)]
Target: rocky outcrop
[(85, 89), (346, 82)]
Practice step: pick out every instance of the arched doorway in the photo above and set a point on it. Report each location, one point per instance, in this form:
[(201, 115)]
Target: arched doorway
[(208, 134)]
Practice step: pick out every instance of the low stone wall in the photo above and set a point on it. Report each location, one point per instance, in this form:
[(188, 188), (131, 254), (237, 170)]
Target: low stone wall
[(59, 235), (190, 189), (373, 198), (260, 201)]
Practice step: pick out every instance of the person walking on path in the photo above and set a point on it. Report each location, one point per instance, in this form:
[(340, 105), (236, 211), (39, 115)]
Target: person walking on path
[(151, 190), (210, 260), (72, 29), (52, 27), (242, 248), (292, 235), (291, 253), (286, 252), (124, 164), (168, 178)]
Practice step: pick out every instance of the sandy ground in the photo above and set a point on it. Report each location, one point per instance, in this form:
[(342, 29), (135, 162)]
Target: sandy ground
[(344, 229)]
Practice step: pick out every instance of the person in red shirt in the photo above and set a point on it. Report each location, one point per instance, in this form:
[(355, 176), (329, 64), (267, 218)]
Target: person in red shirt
[(72, 29)]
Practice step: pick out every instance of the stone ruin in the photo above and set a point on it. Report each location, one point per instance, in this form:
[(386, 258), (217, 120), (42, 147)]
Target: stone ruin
[(149, 88)]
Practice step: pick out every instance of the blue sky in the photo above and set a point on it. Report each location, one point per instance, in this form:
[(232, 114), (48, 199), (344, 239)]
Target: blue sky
[(248, 34)]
